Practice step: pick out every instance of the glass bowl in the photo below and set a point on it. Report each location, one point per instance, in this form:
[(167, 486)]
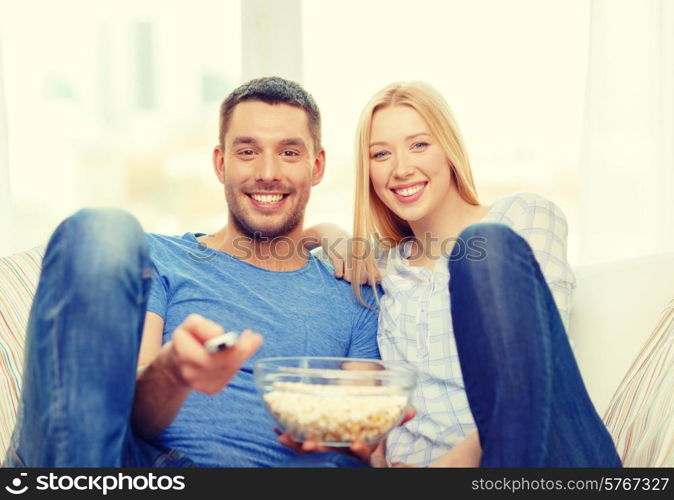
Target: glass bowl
[(335, 401)]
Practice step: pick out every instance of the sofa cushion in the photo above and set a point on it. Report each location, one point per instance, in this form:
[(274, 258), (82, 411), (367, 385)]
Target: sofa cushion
[(641, 413), (615, 307), (19, 274)]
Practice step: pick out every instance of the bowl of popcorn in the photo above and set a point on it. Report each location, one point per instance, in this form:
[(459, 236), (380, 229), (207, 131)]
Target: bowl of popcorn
[(335, 401)]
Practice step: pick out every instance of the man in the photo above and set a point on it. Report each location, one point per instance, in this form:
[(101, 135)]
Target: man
[(103, 310)]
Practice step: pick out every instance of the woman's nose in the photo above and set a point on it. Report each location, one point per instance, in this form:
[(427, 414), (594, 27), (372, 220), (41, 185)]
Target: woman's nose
[(403, 168)]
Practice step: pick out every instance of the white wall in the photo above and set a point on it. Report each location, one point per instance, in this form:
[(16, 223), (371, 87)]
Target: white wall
[(514, 73), (5, 200)]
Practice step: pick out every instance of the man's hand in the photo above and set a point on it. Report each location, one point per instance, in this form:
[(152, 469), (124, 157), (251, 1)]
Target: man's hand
[(374, 454), (186, 359), (337, 246), (339, 251)]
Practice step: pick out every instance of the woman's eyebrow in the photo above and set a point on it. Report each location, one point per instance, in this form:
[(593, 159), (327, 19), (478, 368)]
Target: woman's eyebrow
[(408, 138)]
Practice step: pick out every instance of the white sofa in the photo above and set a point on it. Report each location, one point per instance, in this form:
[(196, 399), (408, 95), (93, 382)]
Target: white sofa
[(616, 307)]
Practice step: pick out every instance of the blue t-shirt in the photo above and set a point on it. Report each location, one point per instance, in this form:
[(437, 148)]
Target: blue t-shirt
[(306, 312)]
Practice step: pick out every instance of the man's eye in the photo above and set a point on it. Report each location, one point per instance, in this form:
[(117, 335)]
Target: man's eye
[(246, 152), (420, 145), (290, 153)]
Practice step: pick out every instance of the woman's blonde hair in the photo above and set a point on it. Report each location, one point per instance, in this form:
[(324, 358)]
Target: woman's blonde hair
[(374, 225)]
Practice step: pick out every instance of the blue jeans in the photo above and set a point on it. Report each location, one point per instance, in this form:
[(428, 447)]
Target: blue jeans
[(81, 353), (82, 346), (523, 385)]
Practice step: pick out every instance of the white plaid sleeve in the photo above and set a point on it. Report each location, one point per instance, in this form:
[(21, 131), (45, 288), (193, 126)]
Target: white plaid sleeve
[(543, 224)]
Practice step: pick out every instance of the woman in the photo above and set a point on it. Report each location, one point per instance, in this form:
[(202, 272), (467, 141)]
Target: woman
[(475, 297)]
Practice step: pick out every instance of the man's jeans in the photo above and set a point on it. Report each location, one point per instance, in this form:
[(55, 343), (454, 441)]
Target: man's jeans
[(82, 347), (86, 322), (81, 353)]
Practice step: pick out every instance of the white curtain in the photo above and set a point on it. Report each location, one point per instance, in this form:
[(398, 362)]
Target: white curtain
[(271, 38), (627, 164), (5, 202)]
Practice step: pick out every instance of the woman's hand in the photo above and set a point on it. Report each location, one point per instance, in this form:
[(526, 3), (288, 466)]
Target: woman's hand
[(373, 454)]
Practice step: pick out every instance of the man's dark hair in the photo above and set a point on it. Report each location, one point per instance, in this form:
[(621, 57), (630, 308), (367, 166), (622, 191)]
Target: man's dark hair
[(272, 90)]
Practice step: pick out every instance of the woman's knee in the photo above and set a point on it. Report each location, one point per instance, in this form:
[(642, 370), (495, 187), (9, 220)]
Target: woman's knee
[(483, 242)]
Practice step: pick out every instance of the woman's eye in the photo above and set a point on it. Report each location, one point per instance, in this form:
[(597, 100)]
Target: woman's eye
[(420, 145), (380, 155)]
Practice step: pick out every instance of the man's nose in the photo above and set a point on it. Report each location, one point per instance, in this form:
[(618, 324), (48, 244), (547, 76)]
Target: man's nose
[(268, 170)]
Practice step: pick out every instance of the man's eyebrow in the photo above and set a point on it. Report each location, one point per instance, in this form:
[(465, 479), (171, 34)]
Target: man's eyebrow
[(408, 138), (293, 141), (243, 140)]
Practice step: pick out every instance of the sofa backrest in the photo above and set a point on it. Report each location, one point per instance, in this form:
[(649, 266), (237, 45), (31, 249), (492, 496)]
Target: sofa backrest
[(616, 305), (19, 274)]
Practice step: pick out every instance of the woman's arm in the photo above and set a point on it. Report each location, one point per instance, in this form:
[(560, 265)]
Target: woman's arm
[(468, 453)]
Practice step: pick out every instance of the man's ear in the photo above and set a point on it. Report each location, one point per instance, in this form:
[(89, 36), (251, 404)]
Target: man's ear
[(319, 168), (219, 163)]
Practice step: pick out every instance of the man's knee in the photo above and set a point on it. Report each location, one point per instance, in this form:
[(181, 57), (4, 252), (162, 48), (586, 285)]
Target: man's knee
[(96, 240), (106, 224)]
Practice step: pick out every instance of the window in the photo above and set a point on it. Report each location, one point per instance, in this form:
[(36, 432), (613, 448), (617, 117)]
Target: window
[(512, 72), (116, 103)]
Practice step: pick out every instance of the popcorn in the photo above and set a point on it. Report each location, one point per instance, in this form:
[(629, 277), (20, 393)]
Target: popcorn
[(336, 415)]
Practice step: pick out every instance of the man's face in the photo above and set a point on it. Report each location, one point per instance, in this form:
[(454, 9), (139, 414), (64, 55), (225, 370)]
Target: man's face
[(268, 167)]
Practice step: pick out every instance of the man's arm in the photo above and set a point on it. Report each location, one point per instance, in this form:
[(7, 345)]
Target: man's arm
[(167, 374)]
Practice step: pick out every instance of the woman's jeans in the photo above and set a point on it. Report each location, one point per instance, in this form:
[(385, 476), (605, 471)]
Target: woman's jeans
[(523, 385)]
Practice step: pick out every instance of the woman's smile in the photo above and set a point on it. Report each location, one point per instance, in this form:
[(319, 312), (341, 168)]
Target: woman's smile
[(409, 193)]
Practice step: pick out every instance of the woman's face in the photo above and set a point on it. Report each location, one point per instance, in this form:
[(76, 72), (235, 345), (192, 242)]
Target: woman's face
[(408, 169)]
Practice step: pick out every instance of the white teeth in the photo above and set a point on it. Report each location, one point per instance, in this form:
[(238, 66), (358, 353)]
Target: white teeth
[(267, 198), (409, 191)]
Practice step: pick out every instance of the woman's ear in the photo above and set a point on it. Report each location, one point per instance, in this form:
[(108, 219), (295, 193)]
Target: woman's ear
[(318, 168)]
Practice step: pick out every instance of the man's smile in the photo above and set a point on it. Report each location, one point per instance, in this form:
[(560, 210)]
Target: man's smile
[(267, 201)]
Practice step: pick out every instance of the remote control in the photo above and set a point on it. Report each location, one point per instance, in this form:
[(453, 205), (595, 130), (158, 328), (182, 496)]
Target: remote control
[(221, 342)]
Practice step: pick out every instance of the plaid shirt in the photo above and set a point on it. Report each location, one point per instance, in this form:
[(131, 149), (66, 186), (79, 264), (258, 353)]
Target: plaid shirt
[(415, 326)]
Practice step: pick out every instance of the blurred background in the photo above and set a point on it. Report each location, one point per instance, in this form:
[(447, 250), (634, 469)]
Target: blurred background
[(116, 103)]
